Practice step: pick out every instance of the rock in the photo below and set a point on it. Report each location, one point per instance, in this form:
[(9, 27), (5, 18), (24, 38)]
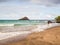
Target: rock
[(49, 22), (24, 18)]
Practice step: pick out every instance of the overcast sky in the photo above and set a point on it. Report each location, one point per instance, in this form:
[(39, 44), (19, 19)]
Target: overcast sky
[(34, 9)]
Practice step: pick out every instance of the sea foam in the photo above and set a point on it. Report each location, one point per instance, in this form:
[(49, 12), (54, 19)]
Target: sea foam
[(6, 24)]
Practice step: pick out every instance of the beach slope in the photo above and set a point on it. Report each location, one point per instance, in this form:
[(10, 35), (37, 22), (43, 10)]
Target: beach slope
[(50, 36)]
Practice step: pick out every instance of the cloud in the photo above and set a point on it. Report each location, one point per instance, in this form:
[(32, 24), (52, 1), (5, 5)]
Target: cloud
[(13, 0), (3, 0), (47, 2), (39, 2)]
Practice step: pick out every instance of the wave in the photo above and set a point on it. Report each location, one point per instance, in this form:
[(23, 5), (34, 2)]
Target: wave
[(18, 24), (6, 24), (15, 24)]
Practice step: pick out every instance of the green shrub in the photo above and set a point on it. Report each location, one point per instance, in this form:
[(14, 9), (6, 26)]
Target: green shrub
[(57, 19)]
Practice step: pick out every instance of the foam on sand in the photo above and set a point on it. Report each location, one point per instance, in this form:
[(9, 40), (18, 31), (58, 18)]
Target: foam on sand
[(11, 34), (38, 29), (43, 27)]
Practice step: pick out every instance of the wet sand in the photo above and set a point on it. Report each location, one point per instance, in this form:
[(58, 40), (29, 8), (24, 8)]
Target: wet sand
[(13, 39), (49, 36)]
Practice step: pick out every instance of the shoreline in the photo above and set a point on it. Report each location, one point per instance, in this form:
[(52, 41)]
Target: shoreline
[(23, 35), (44, 27), (48, 37)]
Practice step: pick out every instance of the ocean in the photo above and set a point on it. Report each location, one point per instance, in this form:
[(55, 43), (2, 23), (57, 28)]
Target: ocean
[(11, 28), (21, 22), (21, 25)]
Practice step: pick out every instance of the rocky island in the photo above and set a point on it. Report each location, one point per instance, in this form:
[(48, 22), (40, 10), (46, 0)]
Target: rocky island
[(24, 18)]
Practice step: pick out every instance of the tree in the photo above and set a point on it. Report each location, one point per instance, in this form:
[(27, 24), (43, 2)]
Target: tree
[(57, 19)]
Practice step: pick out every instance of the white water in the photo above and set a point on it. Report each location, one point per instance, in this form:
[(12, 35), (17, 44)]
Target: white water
[(43, 27), (38, 29), (6, 24), (11, 34)]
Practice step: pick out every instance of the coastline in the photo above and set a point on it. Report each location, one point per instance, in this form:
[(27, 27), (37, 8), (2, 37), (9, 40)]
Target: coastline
[(48, 37), (22, 36), (44, 27)]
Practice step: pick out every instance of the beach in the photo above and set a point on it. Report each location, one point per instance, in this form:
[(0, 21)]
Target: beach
[(50, 36), (29, 22), (20, 38)]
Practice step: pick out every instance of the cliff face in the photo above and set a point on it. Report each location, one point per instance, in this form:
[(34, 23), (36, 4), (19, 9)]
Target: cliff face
[(24, 18)]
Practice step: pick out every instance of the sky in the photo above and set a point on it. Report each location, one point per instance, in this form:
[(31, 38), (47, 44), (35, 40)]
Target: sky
[(33, 9)]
